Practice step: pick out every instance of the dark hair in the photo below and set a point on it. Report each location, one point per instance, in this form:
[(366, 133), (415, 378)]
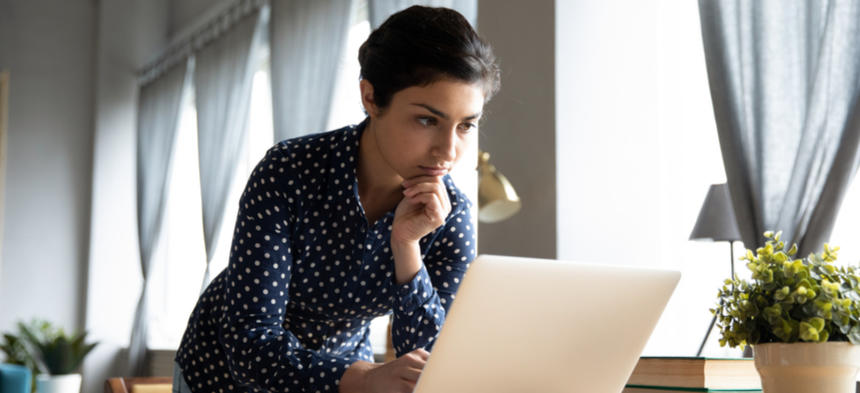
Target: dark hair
[(421, 45)]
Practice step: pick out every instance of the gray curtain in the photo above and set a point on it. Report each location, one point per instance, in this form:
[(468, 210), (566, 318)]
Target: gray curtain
[(158, 118), (784, 84), (223, 77), (308, 38), (380, 10)]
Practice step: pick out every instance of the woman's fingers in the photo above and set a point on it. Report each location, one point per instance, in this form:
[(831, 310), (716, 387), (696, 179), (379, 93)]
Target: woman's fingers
[(422, 353), (418, 356), (412, 364), (434, 187), (410, 373), (406, 386), (398, 375), (432, 208), (421, 179)]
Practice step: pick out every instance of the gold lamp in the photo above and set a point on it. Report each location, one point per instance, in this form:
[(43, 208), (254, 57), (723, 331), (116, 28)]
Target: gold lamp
[(497, 199)]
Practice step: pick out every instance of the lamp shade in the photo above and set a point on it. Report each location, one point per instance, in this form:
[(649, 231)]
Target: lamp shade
[(717, 218), (497, 199)]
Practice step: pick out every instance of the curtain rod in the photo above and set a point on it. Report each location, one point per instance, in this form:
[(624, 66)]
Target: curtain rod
[(186, 45)]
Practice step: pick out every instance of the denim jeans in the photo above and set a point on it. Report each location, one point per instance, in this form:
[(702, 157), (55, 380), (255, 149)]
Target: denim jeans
[(179, 384)]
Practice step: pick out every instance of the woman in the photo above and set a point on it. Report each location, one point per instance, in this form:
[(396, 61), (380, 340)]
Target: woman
[(335, 229)]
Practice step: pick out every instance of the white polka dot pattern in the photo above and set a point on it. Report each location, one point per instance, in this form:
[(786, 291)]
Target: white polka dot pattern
[(307, 274)]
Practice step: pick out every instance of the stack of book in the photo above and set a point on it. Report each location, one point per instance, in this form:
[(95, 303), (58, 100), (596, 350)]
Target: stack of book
[(693, 374)]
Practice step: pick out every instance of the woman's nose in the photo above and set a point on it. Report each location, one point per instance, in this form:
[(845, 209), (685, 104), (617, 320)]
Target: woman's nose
[(445, 145)]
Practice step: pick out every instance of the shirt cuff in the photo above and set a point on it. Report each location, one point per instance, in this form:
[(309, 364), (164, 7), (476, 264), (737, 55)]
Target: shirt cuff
[(416, 292)]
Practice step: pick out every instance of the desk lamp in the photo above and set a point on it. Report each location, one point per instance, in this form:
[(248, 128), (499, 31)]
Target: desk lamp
[(497, 199), (717, 223)]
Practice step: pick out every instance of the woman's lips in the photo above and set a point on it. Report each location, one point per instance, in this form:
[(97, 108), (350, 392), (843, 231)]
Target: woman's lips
[(434, 171)]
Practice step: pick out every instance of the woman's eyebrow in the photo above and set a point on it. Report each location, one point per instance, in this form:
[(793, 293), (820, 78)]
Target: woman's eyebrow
[(443, 114)]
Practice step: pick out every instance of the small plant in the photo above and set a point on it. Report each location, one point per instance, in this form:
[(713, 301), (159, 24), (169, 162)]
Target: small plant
[(16, 351), (790, 300), (46, 349)]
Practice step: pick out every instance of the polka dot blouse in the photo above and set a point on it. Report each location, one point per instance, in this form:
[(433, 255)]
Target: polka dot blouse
[(307, 273)]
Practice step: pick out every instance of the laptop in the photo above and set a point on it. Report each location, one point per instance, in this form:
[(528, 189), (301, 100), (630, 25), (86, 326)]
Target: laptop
[(535, 325)]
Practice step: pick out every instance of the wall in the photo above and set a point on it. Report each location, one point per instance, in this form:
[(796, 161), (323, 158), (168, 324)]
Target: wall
[(49, 48), (188, 15), (519, 126)]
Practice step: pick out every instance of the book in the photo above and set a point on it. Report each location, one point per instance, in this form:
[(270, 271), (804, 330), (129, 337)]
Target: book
[(695, 372), (669, 389)]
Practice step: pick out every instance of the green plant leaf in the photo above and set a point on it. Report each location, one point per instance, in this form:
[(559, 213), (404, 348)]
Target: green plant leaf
[(780, 257), (787, 300), (781, 293), (854, 334), (53, 351), (808, 332), (783, 330), (773, 314)]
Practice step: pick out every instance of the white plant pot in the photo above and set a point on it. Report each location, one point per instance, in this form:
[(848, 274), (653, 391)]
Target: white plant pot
[(829, 367), (67, 383)]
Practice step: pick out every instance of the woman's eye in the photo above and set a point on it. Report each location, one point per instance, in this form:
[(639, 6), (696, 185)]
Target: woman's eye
[(468, 127), (427, 121)]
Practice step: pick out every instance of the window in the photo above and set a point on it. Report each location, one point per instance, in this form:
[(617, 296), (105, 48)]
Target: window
[(260, 139), (638, 150), (846, 230), (177, 274), (180, 257), (346, 103)]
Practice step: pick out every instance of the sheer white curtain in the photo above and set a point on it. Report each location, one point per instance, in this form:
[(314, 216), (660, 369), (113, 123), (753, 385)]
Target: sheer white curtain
[(380, 10), (223, 77), (308, 38), (785, 83), (158, 118)]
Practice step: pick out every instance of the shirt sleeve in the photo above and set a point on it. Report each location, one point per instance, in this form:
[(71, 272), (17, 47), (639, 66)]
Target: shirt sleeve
[(260, 352), (423, 302)]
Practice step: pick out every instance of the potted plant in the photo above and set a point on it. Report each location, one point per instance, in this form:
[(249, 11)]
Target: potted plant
[(54, 356), (15, 349), (802, 317)]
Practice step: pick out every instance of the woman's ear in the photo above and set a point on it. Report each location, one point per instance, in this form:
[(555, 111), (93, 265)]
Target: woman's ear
[(367, 98)]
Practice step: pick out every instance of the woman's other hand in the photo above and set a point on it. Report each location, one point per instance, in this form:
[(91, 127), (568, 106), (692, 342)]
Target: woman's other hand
[(397, 376), (424, 207)]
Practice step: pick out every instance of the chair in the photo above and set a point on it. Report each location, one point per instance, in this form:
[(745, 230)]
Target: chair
[(139, 385)]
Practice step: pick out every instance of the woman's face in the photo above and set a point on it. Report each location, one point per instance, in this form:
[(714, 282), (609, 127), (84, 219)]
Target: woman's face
[(425, 130)]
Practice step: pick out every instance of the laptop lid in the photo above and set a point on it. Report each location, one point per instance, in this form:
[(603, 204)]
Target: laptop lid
[(538, 325)]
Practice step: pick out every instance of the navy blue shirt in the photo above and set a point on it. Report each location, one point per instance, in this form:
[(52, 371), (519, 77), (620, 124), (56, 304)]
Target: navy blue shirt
[(307, 273)]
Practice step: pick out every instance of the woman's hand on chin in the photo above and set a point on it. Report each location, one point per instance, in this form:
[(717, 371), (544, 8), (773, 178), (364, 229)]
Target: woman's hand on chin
[(424, 207), (396, 376)]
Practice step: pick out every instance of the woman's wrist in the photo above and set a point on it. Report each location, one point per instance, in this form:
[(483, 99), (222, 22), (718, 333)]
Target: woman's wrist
[(404, 247), (355, 377), (407, 260)]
